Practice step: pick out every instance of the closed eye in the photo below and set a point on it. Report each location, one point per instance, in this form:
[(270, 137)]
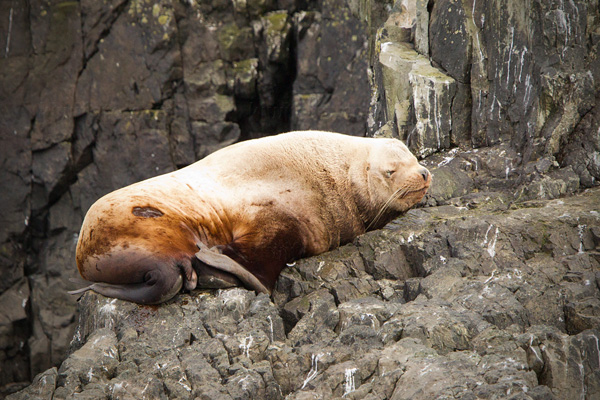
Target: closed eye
[(389, 173)]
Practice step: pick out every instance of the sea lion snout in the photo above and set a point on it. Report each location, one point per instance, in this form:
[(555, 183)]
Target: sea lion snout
[(425, 174)]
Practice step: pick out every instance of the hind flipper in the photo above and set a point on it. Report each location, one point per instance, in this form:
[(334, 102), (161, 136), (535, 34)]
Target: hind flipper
[(156, 288), (220, 261)]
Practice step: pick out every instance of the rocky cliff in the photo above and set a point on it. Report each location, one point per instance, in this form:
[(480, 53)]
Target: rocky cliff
[(489, 290)]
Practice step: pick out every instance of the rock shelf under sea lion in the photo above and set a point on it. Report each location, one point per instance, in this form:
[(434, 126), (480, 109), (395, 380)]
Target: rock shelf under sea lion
[(241, 214)]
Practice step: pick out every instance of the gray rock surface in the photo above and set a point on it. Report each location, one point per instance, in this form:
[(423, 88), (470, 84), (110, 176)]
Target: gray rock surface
[(97, 95), (478, 299), (527, 76)]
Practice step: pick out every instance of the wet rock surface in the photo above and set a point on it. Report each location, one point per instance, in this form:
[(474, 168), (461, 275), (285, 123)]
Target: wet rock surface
[(480, 298)]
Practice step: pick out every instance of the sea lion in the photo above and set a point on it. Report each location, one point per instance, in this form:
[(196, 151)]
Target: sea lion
[(240, 214)]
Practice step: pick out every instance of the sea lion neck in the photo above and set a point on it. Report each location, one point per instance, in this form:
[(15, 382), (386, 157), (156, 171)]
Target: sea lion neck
[(360, 180)]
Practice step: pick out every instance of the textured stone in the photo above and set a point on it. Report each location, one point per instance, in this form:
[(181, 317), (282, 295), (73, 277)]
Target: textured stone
[(450, 45), (432, 95), (425, 98), (146, 32), (331, 89), (582, 150), (13, 331), (470, 327), (79, 118), (421, 32)]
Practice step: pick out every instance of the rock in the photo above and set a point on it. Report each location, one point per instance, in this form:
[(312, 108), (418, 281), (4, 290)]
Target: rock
[(480, 315), (14, 330), (583, 148), (60, 58), (397, 61), (146, 32), (427, 95), (432, 94), (245, 76), (421, 31), (331, 89), (48, 168), (517, 124), (582, 315), (454, 172), (385, 260), (551, 186), (450, 42), (274, 31), (540, 86), (42, 387), (235, 43), (567, 368), (211, 137)]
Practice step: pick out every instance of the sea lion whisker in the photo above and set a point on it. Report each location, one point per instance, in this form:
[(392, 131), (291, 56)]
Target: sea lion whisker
[(395, 196)]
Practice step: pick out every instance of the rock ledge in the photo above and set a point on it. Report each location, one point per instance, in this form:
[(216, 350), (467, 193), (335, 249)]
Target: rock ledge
[(475, 299)]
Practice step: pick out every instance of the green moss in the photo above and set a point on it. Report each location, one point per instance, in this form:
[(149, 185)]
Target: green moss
[(156, 10), (305, 303), (225, 103), (67, 4), (163, 19), (245, 66), (228, 35), (276, 22)]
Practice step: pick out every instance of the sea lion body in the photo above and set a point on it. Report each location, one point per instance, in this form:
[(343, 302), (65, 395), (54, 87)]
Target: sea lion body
[(251, 208)]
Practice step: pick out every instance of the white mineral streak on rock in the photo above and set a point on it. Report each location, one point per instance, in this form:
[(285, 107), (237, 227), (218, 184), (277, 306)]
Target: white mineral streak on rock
[(245, 345), (106, 314), (491, 243), (185, 383), (410, 77), (244, 382), (321, 265), (349, 385), (597, 348), (270, 326), (314, 369), (510, 51), (8, 35), (580, 229)]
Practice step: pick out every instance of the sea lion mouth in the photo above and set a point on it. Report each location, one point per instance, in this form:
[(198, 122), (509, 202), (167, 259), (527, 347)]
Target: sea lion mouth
[(421, 191)]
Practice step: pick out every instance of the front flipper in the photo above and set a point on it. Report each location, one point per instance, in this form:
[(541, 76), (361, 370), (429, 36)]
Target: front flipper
[(222, 262)]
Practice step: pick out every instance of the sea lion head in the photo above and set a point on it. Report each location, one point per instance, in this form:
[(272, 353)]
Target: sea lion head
[(396, 179)]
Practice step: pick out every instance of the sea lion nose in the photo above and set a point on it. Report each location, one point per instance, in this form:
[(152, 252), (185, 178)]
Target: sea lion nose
[(424, 174)]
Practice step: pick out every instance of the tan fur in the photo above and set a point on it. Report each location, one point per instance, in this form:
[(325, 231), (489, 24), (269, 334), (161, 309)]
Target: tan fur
[(266, 202)]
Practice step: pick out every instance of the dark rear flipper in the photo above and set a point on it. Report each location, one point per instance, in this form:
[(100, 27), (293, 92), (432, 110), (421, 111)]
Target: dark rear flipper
[(157, 288)]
